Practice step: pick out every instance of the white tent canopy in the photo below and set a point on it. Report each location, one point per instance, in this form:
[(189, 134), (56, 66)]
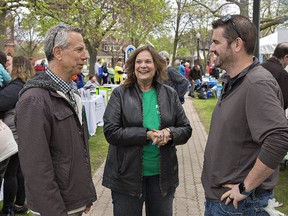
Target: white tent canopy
[(268, 44)]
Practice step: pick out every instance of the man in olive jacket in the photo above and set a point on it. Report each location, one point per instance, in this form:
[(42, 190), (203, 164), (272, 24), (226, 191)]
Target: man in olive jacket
[(53, 140)]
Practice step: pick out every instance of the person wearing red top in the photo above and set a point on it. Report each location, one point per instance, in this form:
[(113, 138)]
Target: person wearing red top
[(40, 67), (187, 69)]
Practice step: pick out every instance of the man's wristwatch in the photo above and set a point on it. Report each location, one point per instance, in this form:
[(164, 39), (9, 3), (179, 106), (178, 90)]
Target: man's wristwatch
[(242, 190)]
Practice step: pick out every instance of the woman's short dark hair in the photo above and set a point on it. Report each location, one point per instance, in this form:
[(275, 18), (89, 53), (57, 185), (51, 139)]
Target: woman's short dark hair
[(158, 60), (238, 24), (3, 58)]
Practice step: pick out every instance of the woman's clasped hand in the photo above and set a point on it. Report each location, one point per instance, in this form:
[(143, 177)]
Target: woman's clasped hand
[(159, 137)]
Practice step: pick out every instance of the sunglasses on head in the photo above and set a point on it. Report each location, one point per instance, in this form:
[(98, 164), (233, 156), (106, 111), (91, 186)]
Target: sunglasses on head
[(59, 27), (228, 18)]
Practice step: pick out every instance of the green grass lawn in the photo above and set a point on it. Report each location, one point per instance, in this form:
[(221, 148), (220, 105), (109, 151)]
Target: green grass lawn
[(98, 149), (204, 109)]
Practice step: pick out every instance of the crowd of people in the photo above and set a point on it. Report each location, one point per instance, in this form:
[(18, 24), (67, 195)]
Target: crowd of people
[(144, 122), (105, 73)]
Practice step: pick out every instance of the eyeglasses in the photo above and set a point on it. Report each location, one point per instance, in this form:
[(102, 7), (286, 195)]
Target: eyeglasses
[(227, 18), (58, 29)]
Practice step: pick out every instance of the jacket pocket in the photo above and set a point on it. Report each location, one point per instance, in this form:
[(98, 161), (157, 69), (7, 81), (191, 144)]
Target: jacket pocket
[(171, 160), (61, 166), (63, 114)]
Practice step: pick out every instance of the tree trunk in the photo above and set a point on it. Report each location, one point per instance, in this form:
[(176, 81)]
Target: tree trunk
[(92, 61), (2, 26), (92, 49), (244, 8)]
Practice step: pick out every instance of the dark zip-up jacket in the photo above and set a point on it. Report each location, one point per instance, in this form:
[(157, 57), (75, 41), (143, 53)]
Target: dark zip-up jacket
[(248, 122), (123, 128), (53, 150), (281, 75), (8, 100), (177, 81)]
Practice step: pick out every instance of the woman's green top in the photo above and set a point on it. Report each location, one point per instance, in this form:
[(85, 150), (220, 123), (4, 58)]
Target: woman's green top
[(151, 120)]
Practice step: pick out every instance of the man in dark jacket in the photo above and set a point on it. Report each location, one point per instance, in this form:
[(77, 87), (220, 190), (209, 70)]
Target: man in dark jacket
[(194, 75), (175, 79), (276, 65), (53, 140)]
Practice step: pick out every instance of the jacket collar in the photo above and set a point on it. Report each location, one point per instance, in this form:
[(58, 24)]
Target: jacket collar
[(275, 60), (225, 78), (41, 80)]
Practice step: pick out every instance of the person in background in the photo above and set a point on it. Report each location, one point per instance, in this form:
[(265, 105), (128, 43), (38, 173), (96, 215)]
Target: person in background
[(9, 63), (55, 160), (182, 68), (175, 79), (276, 65), (187, 69), (91, 83), (111, 73), (13, 178), (215, 72), (202, 69), (3, 166), (40, 67), (118, 73), (249, 133), (194, 75), (182, 72), (105, 73), (5, 77), (6, 140), (80, 80), (98, 65), (73, 82), (143, 123)]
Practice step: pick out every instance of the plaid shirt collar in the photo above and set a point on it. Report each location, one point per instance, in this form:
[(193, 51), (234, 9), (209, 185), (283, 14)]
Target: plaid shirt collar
[(64, 87)]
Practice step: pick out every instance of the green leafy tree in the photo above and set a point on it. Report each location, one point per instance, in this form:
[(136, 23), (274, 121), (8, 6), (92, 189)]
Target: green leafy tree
[(7, 7), (273, 12), (274, 15), (98, 19), (28, 37), (192, 16)]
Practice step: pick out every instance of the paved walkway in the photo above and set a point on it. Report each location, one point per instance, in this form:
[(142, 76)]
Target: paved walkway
[(189, 197)]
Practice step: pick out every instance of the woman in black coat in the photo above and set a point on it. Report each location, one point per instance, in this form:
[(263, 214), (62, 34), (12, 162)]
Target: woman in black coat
[(143, 122), (13, 178)]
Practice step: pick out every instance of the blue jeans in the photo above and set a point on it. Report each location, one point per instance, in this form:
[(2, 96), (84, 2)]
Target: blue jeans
[(250, 206), (155, 203)]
